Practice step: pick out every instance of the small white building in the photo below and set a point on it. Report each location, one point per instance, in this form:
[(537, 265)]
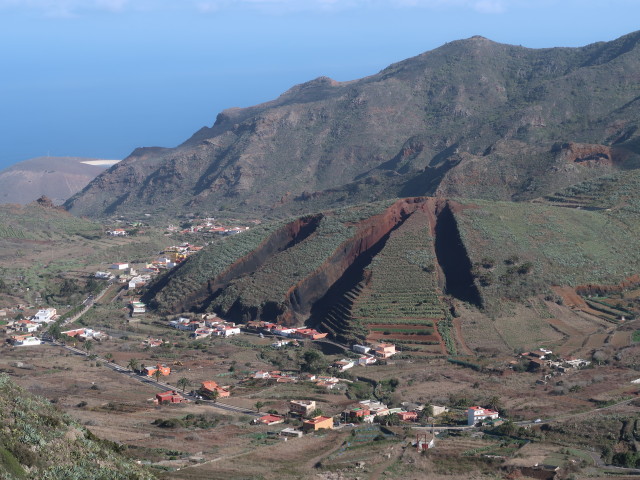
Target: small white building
[(119, 266), (45, 315), (24, 340), (360, 349), (103, 275), (138, 307), (478, 414), (342, 365), (226, 330), (27, 326)]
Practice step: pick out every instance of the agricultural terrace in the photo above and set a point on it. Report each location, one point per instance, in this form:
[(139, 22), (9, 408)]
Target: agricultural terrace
[(618, 191), (281, 271), (519, 248), (400, 302), (209, 263)]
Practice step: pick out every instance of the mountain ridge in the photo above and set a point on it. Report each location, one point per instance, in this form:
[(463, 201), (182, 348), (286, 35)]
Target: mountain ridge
[(473, 108)]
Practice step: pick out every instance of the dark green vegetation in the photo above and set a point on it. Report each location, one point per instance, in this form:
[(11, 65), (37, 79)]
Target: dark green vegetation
[(39, 442), (473, 118)]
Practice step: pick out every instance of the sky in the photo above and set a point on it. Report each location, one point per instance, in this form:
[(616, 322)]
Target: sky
[(99, 78)]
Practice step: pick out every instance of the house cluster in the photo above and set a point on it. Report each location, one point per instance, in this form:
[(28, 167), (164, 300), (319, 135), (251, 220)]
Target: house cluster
[(152, 342), (83, 334), (366, 411), (209, 225), (127, 274), (21, 331), (304, 410), (117, 232), (544, 358), (282, 331), (370, 354), (321, 381), (206, 326)]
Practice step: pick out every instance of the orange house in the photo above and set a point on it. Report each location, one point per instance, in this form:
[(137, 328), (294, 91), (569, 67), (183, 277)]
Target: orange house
[(207, 389), (150, 371), (385, 350), (317, 423), (169, 397)]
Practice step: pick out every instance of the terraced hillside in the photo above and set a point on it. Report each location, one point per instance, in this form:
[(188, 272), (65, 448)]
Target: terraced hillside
[(400, 301), (398, 270)]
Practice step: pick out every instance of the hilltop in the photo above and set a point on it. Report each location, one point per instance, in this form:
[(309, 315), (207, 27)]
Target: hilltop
[(473, 118), (56, 177)]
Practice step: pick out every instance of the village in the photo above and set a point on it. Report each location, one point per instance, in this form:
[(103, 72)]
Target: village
[(283, 383)]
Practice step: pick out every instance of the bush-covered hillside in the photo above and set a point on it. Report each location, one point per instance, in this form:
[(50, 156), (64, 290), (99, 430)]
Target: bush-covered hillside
[(39, 442)]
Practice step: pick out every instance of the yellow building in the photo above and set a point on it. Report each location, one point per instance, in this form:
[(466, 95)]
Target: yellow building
[(317, 423)]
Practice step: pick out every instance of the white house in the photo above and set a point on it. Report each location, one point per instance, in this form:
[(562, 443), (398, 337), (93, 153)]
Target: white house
[(342, 365), (24, 340), (45, 315), (478, 414), (104, 275), (226, 330), (27, 326), (119, 266), (366, 360), (360, 349), (283, 331)]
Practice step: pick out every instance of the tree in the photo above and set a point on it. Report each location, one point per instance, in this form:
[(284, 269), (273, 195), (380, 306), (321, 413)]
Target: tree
[(54, 331), (108, 356), (313, 361), (157, 374), (495, 403), (183, 383), (214, 396), (259, 405), (425, 413), (88, 345), (133, 364), (388, 420)]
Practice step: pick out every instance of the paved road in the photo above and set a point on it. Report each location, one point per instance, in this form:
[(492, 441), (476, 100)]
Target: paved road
[(152, 382)]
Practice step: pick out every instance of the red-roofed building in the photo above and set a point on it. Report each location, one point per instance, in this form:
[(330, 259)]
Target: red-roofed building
[(478, 414), (308, 334), (408, 416), (270, 419), (208, 389), (164, 370), (317, 423), (170, 396)]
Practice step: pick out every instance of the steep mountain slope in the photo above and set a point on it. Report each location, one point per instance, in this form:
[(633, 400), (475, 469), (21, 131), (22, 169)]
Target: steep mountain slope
[(397, 268), (39, 442), (473, 118), (56, 177)]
